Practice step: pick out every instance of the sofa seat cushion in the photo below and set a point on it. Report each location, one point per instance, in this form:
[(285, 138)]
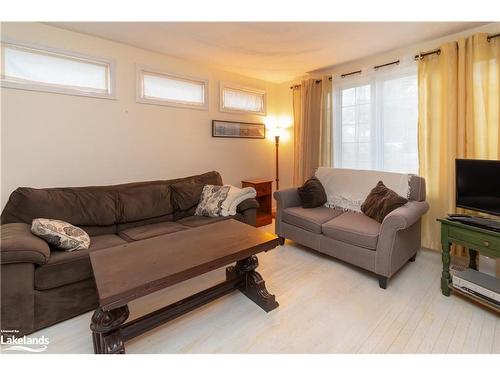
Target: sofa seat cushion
[(65, 267), (198, 221), (151, 230), (309, 219), (353, 228)]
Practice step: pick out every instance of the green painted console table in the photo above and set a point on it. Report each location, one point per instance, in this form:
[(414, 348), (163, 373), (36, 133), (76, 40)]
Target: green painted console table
[(475, 239)]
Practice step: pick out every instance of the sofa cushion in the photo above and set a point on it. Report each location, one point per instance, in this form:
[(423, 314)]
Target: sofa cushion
[(211, 200), (353, 228), (78, 206), (65, 267), (144, 202), (151, 230), (381, 201), (210, 178), (198, 221), (309, 219), (61, 234), (312, 193), (186, 195)]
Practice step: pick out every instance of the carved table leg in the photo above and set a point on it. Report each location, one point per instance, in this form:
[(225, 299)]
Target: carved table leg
[(445, 276), (473, 259), (105, 326), (252, 284)]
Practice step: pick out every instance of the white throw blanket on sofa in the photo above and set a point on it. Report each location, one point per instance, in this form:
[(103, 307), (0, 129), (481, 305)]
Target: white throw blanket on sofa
[(348, 188), (234, 197)]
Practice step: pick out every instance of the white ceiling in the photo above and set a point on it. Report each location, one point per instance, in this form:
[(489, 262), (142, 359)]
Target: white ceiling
[(271, 51)]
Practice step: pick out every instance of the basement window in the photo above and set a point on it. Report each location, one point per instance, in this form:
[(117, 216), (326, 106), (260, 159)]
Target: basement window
[(50, 70), (160, 88), (234, 98)]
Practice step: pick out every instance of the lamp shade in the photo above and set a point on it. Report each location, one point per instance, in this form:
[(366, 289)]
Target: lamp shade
[(277, 131)]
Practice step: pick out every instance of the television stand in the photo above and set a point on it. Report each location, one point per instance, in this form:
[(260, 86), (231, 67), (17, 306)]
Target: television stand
[(476, 221), (477, 240)]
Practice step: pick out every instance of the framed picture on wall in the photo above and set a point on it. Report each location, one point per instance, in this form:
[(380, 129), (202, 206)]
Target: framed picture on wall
[(233, 129)]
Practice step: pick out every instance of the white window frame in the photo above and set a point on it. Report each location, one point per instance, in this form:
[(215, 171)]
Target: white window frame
[(337, 103), (377, 161), (140, 98), (20, 84), (232, 86)]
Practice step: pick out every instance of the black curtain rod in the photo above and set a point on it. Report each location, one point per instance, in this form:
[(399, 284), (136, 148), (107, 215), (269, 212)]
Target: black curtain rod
[(492, 36), (317, 81), (376, 67), (421, 55), (350, 74)]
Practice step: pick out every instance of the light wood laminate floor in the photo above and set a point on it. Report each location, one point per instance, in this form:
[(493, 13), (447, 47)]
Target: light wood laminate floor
[(326, 306)]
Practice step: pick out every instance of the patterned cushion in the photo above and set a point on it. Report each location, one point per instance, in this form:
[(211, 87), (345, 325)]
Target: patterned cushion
[(211, 200), (60, 234)]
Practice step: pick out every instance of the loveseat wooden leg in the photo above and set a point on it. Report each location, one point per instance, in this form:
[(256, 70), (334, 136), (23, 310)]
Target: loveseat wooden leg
[(412, 259), (382, 281), (281, 241)]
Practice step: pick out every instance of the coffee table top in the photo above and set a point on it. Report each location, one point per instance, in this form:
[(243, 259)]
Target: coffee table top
[(126, 272)]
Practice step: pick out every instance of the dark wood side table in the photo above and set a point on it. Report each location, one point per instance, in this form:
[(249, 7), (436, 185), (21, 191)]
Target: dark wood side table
[(264, 189), (476, 240)]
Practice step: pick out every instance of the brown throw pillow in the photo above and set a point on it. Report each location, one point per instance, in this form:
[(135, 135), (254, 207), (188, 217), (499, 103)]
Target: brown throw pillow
[(186, 195), (381, 201), (312, 193)]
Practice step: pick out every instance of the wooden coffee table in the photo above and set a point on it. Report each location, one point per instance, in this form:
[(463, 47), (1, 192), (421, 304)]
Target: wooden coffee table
[(127, 272)]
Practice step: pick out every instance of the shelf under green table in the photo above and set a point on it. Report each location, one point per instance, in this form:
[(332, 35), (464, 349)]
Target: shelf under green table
[(477, 240)]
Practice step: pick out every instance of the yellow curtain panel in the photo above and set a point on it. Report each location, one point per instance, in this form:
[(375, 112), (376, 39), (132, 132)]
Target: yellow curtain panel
[(307, 129), (458, 118)]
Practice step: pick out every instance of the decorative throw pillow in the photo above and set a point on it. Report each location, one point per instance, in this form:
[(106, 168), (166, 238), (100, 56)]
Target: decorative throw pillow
[(211, 200), (186, 195), (381, 201), (61, 234), (312, 193)]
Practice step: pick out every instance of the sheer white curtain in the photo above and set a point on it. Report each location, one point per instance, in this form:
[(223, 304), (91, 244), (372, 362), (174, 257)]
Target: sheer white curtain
[(243, 100), (164, 87), (375, 120), (33, 66)]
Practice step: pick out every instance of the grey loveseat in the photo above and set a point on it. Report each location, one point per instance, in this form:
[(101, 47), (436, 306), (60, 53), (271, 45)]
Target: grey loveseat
[(354, 237)]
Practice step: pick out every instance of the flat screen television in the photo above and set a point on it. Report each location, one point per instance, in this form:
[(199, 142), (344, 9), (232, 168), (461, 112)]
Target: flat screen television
[(478, 185)]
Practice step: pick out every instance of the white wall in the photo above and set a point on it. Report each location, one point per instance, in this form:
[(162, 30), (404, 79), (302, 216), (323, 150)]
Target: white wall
[(52, 140)]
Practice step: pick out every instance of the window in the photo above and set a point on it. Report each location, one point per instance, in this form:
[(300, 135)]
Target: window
[(375, 123), (165, 89), (55, 71), (241, 99)]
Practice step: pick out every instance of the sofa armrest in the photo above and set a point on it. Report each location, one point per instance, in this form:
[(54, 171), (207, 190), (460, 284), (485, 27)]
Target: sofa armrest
[(287, 198), (399, 237), (404, 216), (19, 245), (248, 210), (284, 198), (247, 204)]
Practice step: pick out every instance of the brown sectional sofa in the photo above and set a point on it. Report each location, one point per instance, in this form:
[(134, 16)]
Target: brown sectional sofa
[(42, 286), (382, 248)]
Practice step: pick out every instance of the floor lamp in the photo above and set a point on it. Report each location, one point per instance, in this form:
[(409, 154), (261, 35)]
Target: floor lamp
[(278, 132), (277, 144)]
